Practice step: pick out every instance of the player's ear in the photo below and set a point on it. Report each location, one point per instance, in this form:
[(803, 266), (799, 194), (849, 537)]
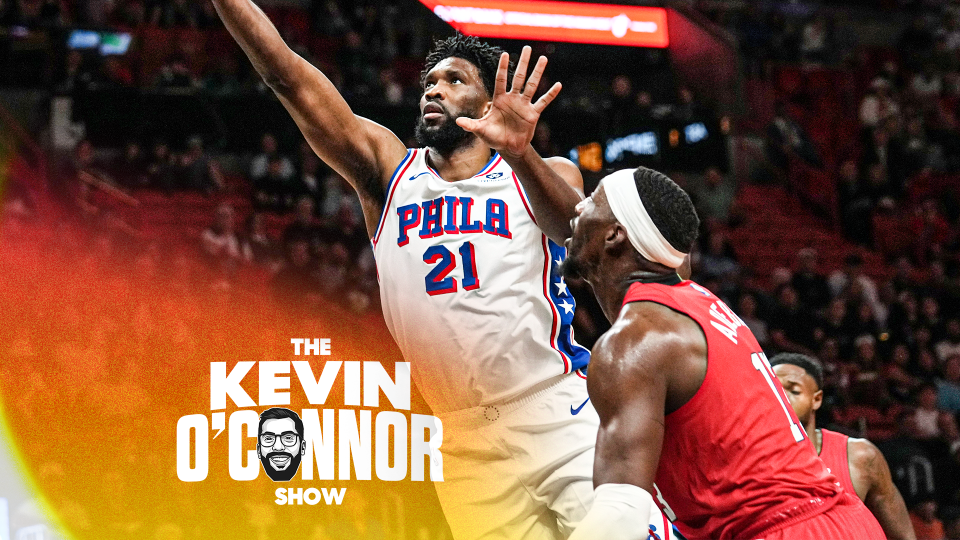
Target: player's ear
[(486, 108), (615, 238), (817, 400)]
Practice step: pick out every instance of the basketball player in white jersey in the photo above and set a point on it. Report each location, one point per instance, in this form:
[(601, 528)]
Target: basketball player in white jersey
[(463, 231)]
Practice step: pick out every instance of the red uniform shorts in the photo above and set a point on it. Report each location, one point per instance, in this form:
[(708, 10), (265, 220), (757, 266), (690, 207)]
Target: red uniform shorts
[(848, 519)]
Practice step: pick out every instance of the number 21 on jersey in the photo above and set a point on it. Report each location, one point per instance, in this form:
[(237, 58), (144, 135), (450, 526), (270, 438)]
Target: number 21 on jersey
[(438, 281), (762, 365)]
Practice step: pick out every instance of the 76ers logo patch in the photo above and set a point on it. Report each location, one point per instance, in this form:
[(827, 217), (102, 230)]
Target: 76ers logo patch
[(494, 175)]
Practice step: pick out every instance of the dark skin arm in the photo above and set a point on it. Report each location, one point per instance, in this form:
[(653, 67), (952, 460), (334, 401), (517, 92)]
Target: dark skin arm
[(874, 485), (554, 185), (361, 151), (651, 362)]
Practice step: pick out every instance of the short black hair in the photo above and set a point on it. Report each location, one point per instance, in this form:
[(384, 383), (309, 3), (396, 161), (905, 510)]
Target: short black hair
[(809, 364), (483, 55), (669, 207), (276, 413)]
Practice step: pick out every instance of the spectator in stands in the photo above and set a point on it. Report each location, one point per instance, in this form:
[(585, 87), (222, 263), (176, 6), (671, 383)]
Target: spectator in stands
[(273, 192), (896, 373), (855, 204), (304, 227), (930, 318), (130, 168), (950, 344), (618, 105), (856, 285), (784, 139), (77, 76), (220, 244), (926, 525), (714, 197), (927, 84), (260, 165), (256, 245), (948, 387), (309, 178), (334, 269), (930, 231), (810, 284), (951, 521), (198, 170), (815, 44), (173, 14), (543, 140), (929, 423), (296, 286), (392, 91), (791, 324), (159, 168), (719, 260), (176, 74), (878, 104), (836, 325), (747, 310), (223, 79), (356, 66)]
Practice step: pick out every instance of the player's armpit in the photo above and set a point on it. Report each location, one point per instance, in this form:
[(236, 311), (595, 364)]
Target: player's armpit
[(883, 498)]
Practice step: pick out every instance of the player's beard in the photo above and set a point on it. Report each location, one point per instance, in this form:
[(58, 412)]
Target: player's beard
[(284, 475), (443, 137)]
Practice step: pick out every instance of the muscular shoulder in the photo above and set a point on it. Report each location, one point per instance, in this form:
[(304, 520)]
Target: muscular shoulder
[(568, 171), (864, 457), (650, 341)]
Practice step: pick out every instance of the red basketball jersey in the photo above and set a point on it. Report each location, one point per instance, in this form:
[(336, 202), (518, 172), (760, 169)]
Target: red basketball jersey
[(735, 461), (833, 452)]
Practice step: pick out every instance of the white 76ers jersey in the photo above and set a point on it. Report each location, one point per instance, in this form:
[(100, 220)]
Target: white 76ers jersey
[(470, 286)]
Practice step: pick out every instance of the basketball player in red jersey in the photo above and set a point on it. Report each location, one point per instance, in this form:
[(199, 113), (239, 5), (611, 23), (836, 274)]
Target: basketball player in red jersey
[(857, 463), (690, 411)]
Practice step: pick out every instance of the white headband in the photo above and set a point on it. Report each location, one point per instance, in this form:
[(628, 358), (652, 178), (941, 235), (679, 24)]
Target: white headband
[(625, 202)]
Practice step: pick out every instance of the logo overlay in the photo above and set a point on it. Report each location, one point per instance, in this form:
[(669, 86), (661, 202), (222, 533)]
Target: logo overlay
[(360, 441)]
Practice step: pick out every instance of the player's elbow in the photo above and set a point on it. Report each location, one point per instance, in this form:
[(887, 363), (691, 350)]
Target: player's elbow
[(276, 82)]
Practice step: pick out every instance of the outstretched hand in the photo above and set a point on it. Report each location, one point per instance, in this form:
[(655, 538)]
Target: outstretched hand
[(510, 124)]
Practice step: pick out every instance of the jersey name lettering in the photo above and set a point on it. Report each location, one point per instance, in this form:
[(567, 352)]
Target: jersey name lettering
[(726, 321), (452, 215)]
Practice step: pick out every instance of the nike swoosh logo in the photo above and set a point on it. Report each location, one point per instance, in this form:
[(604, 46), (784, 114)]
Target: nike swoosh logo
[(418, 176), (578, 409)]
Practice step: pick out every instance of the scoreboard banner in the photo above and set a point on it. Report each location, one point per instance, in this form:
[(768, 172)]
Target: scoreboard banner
[(602, 24)]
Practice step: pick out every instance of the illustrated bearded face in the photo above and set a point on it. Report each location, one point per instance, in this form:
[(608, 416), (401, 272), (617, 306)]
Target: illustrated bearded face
[(280, 448), (452, 89)]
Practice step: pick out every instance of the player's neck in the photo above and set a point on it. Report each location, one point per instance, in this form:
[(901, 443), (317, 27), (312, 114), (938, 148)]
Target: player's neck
[(615, 278), (462, 162)]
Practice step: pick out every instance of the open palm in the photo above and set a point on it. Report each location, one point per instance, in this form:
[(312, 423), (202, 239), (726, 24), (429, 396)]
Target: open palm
[(509, 125)]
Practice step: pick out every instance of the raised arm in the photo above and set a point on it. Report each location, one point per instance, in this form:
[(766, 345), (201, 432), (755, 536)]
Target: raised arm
[(361, 151), (882, 496), (554, 185), (631, 384)]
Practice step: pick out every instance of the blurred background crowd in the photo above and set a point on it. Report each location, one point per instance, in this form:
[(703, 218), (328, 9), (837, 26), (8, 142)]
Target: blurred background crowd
[(827, 176)]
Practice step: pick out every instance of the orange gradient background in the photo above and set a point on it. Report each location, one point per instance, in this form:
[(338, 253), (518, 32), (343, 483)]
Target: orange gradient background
[(99, 360)]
